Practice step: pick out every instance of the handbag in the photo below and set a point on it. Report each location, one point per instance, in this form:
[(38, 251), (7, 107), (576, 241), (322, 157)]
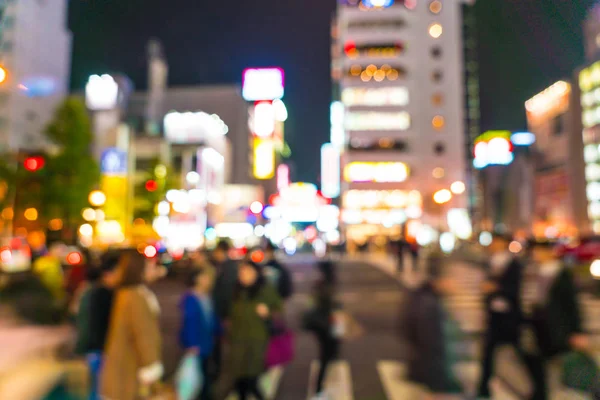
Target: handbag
[(189, 379), (280, 350), (579, 371)]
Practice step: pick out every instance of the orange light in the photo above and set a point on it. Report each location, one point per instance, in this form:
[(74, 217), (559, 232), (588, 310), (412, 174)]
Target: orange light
[(150, 251), (257, 256), (3, 74), (438, 122), (5, 255), (442, 196), (55, 224), (74, 258), (8, 213), (31, 214)]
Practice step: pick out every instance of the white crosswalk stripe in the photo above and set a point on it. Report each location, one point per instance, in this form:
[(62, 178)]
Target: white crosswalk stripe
[(338, 381)]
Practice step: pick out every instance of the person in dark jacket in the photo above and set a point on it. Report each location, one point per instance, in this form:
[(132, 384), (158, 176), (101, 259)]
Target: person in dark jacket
[(423, 328), (99, 306), (321, 321), (200, 326), (225, 281), (556, 319), (502, 289), (254, 304), (276, 274)]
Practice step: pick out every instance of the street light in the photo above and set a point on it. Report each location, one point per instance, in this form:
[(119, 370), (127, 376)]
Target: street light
[(97, 198)]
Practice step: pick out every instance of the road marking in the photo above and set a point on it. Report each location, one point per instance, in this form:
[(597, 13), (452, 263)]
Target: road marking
[(269, 383), (338, 381), (393, 377)]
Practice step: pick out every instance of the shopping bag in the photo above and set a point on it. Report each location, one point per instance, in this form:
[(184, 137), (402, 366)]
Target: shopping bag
[(190, 378), (579, 371), (280, 350)]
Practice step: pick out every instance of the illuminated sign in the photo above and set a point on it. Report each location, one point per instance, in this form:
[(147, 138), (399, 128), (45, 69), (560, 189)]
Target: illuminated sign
[(38, 87), (384, 121), (552, 101), (330, 171), (388, 96), (522, 138), (101, 93), (193, 127), (263, 120), (113, 162), (493, 148), (589, 78), (264, 159), (376, 172), (378, 74), (211, 173), (283, 177), (375, 217), (262, 84), (338, 134), (387, 50), (382, 199), (377, 3)]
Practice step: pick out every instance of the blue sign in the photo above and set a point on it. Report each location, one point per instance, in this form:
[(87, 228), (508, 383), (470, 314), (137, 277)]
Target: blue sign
[(113, 162), (378, 3), (523, 138)]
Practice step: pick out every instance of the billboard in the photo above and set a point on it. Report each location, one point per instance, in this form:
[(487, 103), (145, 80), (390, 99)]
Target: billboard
[(193, 127), (101, 93), (262, 84), (330, 171)]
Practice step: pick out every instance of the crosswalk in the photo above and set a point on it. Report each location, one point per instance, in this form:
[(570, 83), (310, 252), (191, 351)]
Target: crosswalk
[(466, 305)]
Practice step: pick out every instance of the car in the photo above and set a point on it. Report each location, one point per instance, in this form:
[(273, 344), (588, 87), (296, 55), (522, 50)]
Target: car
[(584, 250)]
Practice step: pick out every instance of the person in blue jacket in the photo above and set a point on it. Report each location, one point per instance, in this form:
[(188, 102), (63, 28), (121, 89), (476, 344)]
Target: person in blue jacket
[(200, 328)]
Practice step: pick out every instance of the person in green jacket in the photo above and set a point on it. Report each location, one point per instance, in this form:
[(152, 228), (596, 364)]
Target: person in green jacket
[(255, 303)]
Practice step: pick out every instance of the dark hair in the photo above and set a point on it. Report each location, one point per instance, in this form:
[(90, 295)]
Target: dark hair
[(109, 261), (29, 299), (223, 245), (255, 288), (132, 265), (190, 279), (270, 246)]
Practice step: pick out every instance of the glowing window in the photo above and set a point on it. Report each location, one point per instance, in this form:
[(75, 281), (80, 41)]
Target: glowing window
[(435, 6), (392, 96), (435, 30), (368, 121), (438, 122), (438, 173), (376, 172)]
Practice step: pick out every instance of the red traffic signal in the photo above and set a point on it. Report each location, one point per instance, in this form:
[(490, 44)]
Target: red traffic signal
[(34, 163), (151, 185)]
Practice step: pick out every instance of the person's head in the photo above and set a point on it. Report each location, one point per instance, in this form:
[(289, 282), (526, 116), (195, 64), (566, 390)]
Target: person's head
[(135, 269), (270, 250), (499, 243), (542, 252), (198, 256), (200, 281), (26, 300), (248, 273), (109, 273), (221, 252)]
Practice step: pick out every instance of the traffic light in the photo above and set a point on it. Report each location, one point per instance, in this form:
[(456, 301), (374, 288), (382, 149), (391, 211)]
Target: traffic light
[(34, 163), (151, 185)]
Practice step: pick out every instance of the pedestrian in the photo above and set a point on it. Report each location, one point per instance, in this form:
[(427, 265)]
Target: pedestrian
[(199, 260), (99, 307), (200, 327), (322, 322), (424, 325), (556, 320), (50, 271), (502, 289), (132, 359), (254, 304), (32, 332), (276, 274)]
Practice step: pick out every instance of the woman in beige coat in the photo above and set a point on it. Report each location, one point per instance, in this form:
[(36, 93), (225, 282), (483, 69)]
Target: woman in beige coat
[(132, 361)]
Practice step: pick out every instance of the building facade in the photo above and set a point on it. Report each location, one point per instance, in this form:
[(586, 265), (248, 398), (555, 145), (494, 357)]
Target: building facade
[(35, 52), (399, 68)]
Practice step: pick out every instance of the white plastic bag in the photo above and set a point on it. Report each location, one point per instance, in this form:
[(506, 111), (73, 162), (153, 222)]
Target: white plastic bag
[(190, 378)]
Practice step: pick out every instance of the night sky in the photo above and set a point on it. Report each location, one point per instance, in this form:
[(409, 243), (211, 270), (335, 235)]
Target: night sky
[(525, 45)]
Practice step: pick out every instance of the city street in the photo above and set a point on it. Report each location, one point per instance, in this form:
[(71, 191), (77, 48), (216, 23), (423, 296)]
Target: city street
[(370, 367)]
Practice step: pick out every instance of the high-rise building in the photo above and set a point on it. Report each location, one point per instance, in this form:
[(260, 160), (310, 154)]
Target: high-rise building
[(35, 51), (399, 68)]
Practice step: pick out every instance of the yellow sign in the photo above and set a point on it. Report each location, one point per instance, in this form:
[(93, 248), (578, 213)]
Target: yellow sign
[(264, 159), (376, 172), (115, 190)]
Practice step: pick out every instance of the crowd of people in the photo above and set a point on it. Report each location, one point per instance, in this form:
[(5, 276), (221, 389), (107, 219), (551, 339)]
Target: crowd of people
[(548, 338), (108, 324)]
